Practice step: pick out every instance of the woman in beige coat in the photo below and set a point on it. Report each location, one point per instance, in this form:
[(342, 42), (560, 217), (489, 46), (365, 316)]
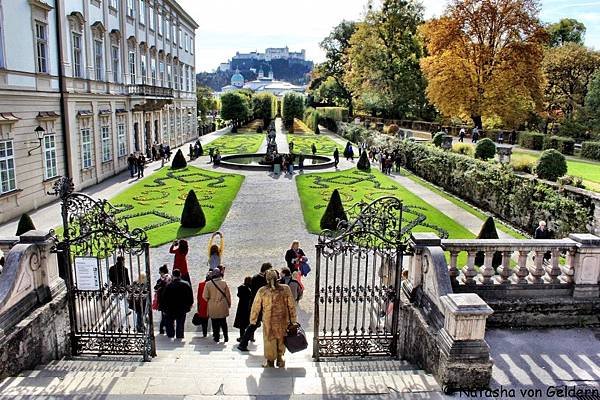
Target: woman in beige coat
[(278, 310), (217, 295)]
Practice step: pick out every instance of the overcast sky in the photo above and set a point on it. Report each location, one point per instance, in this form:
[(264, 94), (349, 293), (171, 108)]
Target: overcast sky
[(227, 26)]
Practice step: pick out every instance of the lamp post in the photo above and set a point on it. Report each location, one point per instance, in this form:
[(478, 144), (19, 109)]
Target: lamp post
[(39, 133)]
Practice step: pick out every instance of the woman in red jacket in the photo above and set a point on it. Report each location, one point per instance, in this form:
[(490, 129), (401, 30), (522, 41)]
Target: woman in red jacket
[(203, 306), (180, 249)]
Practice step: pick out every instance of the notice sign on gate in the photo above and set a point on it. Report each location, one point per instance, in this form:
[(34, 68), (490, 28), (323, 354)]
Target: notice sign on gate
[(88, 277)]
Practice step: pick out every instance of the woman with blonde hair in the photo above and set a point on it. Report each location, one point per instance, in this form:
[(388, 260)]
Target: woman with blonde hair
[(278, 309)]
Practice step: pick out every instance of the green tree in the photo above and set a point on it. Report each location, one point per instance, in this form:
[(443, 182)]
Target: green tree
[(384, 59), (568, 70), (363, 162), (235, 107), (264, 107), (567, 30), (592, 102), (25, 224), (292, 107), (192, 215), (334, 213), (178, 161), (551, 165), (328, 77), (205, 101), (485, 149)]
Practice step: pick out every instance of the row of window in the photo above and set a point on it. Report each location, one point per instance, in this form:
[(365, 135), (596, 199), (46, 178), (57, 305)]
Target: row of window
[(161, 25), (105, 143), (8, 181), (178, 71)]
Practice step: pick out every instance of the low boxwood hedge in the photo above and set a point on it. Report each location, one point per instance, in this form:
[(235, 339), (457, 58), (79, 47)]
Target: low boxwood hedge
[(565, 145), (590, 150), (531, 140)]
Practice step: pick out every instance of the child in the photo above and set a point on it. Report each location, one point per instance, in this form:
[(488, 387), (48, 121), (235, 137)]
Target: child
[(161, 283), (242, 315)]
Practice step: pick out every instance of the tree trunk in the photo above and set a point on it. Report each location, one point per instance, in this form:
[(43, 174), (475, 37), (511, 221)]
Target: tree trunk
[(477, 121)]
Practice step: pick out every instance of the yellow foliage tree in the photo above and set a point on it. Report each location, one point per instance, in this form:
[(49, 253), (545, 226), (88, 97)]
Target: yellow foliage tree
[(484, 60)]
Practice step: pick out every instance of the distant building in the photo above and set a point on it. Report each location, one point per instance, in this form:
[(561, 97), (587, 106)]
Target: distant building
[(269, 84), (237, 79), (224, 67), (272, 53)]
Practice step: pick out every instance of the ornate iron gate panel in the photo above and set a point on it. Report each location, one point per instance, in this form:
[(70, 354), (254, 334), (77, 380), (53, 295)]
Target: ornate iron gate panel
[(107, 276), (357, 288)]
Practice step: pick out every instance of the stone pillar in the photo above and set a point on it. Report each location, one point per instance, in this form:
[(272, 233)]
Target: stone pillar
[(49, 281), (418, 241), (464, 355), (586, 264)]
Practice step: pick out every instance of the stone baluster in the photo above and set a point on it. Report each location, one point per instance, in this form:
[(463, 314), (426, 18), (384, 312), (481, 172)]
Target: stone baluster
[(522, 272), (453, 271), (469, 272), (587, 266), (537, 271), (567, 270), (487, 272), (505, 269), (554, 269)]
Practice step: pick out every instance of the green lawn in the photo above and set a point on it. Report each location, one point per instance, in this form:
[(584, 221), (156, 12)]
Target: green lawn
[(354, 186), (324, 144), (155, 203), (588, 171), (237, 143)]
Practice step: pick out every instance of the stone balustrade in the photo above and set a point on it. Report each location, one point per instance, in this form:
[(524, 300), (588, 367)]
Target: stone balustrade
[(571, 264)]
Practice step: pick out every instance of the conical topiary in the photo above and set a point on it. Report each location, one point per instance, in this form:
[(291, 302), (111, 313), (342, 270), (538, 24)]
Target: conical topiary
[(201, 149), (192, 215), (334, 212), (488, 231), (363, 162), (179, 160), (25, 224)]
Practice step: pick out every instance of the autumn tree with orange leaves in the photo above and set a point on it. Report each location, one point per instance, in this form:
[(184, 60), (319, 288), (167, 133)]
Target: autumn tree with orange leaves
[(484, 60)]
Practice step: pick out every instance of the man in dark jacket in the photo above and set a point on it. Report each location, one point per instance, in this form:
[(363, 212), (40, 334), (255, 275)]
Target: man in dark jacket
[(258, 281), (118, 274), (177, 300)]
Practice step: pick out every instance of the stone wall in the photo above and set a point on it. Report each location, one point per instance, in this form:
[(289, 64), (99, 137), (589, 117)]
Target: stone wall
[(40, 337)]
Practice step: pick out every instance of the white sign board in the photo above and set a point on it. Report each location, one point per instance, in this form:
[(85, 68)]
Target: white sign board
[(88, 276)]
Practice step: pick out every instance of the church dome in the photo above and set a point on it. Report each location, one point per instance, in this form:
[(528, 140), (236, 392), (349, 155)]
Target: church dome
[(237, 79)]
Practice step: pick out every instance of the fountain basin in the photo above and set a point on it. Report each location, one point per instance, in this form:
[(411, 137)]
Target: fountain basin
[(252, 162)]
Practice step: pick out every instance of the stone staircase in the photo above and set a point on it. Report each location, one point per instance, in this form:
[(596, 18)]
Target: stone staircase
[(199, 367)]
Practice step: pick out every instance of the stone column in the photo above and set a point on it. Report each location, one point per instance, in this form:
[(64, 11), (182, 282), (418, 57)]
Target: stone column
[(586, 264), (464, 355)]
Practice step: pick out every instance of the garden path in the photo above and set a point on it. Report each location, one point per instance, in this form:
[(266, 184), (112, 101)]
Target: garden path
[(48, 217), (465, 218)]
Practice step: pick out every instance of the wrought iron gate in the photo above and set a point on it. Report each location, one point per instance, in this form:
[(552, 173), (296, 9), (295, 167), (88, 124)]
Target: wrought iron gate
[(107, 277), (357, 282)]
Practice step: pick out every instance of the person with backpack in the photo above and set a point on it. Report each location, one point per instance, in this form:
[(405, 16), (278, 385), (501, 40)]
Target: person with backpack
[(242, 315), (217, 295), (287, 278)]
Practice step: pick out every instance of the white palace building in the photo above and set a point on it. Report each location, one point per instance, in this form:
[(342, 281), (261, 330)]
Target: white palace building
[(84, 83)]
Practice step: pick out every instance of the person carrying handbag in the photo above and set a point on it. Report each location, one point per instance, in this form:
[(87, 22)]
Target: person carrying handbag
[(278, 308), (218, 297)]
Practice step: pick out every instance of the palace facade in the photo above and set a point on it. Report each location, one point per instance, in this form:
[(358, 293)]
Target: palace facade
[(84, 83)]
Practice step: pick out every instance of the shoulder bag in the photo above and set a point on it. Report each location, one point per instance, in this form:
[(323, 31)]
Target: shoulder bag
[(223, 293), (295, 339)]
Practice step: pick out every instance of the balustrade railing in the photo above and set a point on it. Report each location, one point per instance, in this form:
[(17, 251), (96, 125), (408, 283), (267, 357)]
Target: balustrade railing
[(520, 261), (149, 90)]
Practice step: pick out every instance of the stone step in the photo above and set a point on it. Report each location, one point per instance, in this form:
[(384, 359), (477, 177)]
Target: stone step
[(218, 384)]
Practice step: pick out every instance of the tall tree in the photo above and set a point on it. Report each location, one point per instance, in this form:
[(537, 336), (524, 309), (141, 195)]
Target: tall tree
[(569, 70), (484, 59), (567, 30), (328, 77), (236, 107), (205, 101), (384, 59)]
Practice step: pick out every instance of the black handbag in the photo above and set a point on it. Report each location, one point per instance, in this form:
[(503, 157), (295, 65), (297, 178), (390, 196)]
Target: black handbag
[(197, 319), (295, 339)]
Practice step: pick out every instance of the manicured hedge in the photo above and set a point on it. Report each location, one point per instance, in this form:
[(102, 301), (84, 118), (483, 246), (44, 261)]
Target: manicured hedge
[(590, 150), (531, 140), (518, 199), (565, 145)]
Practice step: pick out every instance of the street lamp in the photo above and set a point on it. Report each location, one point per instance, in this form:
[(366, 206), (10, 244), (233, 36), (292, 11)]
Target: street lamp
[(39, 133)]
